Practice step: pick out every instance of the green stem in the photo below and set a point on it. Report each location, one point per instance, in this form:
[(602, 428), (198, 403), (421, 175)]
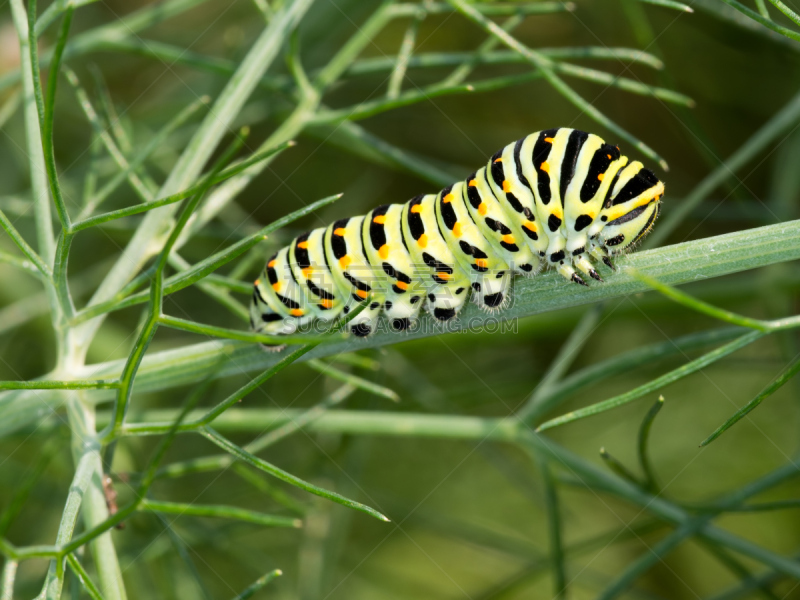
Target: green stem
[(86, 450), (39, 384), (33, 135), (8, 578)]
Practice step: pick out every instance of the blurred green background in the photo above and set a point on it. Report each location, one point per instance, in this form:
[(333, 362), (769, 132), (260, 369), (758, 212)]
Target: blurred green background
[(469, 518)]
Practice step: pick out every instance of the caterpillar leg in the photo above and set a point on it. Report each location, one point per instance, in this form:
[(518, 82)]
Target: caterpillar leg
[(446, 301), (529, 268), (264, 320), (402, 311), (491, 290), (583, 264), (365, 322), (601, 253), (567, 272)]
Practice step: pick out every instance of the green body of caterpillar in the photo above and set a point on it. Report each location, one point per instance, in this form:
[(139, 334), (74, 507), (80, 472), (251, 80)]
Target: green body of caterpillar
[(557, 198)]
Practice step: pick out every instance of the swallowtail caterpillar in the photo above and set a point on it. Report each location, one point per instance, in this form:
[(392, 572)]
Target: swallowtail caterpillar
[(559, 198)]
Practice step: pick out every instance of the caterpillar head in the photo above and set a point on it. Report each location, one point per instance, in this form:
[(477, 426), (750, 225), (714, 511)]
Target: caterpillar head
[(631, 208)]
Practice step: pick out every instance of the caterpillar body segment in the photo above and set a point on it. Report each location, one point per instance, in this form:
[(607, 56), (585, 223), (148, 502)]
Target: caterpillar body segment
[(444, 286), (559, 198)]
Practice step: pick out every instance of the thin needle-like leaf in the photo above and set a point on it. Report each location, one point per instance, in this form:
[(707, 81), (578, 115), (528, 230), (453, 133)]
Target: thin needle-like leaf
[(357, 382), (15, 236), (47, 107), (670, 4), (768, 23), (263, 465), (644, 436), (86, 581), (258, 584), (554, 522), (658, 383), (777, 383), (618, 468), (403, 55), (237, 334), (700, 306), (786, 10), (210, 463), (219, 511)]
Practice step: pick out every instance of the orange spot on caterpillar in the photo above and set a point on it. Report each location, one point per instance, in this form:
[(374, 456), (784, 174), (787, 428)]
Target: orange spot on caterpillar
[(345, 261), (384, 251), (326, 303), (447, 199), (481, 262), (529, 226), (423, 240), (443, 275), (545, 167), (509, 239), (307, 272), (601, 176), (303, 245), (402, 285), (361, 293), (548, 140), (506, 186), (339, 231), (482, 208), (276, 286), (457, 229), (473, 183), (271, 264), (380, 219), (257, 282), (417, 208), (296, 312), (497, 160)]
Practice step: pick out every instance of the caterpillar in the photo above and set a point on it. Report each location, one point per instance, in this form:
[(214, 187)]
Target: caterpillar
[(559, 198)]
